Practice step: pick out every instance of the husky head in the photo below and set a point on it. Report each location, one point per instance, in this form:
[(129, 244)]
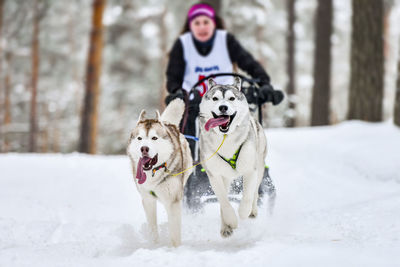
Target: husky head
[(150, 144), (224, 106)]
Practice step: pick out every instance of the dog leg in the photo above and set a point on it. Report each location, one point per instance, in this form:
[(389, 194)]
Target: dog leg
[(228, 216), (150, 208), (249, 187), (226, 229), (254, 209), (174, 222)]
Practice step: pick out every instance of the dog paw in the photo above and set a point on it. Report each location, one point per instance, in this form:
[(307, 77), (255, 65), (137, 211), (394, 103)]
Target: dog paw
[(253, 215), (254, 211), (226, 231)]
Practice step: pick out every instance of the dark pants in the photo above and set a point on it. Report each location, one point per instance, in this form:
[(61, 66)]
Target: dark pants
[(190, 125)]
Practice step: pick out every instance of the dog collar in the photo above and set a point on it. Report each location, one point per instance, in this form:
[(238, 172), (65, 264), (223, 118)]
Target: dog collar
[(164, 165), (232, 161)]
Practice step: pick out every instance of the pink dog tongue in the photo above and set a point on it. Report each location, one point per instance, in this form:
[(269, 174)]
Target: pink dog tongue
[(211, 123), (139, 172)]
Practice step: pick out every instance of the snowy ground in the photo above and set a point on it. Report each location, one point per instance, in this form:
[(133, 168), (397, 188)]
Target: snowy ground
[(338, 205)]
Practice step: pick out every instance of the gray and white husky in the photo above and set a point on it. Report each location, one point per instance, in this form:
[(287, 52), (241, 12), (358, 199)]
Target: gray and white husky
[(224, 111), (158, 151)]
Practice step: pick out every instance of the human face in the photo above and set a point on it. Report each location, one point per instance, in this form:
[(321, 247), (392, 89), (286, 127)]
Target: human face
[(202, 28)]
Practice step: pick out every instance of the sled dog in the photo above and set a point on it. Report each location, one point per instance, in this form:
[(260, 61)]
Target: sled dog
[(224, 111), (158, 152)]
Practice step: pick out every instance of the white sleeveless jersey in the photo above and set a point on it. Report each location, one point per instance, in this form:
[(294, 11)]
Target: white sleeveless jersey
[(198, 66)]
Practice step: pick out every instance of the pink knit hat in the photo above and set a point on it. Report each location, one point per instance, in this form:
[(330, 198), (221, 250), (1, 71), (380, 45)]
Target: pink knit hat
[(201, 9)]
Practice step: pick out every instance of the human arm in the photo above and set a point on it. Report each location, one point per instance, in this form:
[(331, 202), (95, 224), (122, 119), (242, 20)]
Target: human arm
[(246, 62), (175, 68)]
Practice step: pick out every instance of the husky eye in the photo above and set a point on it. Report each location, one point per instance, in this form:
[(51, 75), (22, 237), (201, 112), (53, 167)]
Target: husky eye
[(231, 98), (139, 138), (154, 138), (215, 98)]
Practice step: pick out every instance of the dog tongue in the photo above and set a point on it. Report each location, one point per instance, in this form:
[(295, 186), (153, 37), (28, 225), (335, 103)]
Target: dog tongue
[(139, 172), (214, 122)]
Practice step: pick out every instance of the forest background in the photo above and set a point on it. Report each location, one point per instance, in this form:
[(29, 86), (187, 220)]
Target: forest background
[(336, 60)]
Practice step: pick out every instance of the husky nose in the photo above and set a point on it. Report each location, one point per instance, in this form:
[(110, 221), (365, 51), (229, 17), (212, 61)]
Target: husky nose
[(223, 108), (144, 150)]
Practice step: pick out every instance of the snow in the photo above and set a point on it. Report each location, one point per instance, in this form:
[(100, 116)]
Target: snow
[(338, 204), (111, 15)]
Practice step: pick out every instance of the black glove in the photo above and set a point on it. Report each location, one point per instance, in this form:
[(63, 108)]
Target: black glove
[(180, 93), (195, 98), (194, 101), (251, 93), (268, 94)]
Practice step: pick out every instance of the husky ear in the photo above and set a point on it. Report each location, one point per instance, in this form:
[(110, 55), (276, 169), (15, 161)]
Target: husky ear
[(141, 116), (211, 83), (158, 117), (237, 82)]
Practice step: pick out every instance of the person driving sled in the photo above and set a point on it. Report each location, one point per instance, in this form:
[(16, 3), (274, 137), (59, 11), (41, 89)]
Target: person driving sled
[(205, 48)]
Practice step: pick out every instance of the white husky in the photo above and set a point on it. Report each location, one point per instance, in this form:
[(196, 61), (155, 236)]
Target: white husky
[(225, 111), (158, 152)]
